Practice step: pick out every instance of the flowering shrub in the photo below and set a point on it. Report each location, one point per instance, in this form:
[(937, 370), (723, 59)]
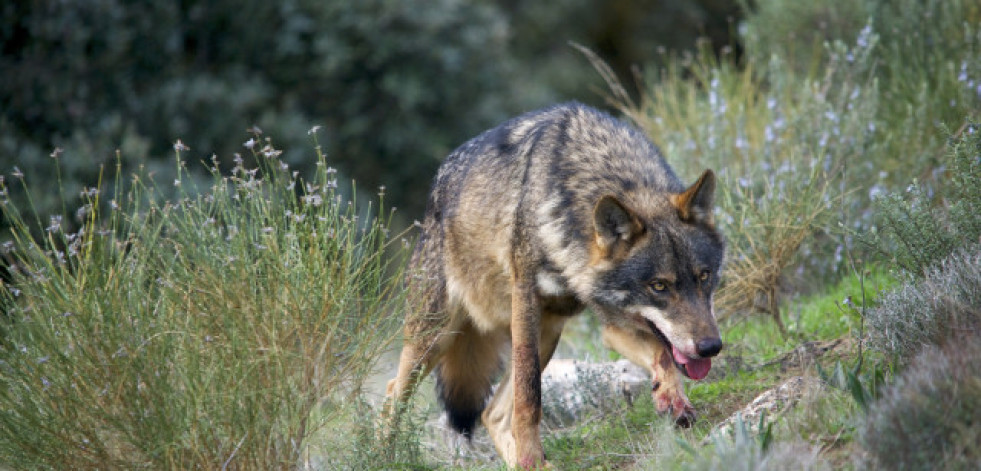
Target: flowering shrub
[(219, 329)]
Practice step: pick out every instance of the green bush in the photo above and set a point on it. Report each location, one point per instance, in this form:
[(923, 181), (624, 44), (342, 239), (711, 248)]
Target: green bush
[(748, 451), (396, 85), (224, 328), (917, 229), (945, 303), (795, 31), (928, 419)]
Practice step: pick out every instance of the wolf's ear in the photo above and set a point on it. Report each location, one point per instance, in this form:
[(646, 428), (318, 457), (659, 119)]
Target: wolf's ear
[(695, 204), (615, 224)]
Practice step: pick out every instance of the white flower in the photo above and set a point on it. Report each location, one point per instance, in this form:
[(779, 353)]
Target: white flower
[(54, 224), (314, 199)]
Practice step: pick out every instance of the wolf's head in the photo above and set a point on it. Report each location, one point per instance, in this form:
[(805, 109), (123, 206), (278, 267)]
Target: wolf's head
[(656, 268)]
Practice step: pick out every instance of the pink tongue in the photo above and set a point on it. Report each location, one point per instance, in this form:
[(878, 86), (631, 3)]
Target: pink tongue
[(696, 369)]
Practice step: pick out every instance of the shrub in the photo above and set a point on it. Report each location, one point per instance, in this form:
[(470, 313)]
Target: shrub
[(397, 85), (929, 418), (221, 329), (921, 227), (942, 305)]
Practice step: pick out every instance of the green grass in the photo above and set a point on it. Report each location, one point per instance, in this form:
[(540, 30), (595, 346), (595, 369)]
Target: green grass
[(614, 441), (828, 315)]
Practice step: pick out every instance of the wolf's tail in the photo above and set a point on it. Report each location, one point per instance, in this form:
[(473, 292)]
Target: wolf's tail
[(465, 376)]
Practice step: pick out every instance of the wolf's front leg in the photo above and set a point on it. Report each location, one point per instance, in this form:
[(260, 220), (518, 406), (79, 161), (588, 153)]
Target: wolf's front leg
[(647, 351), (498, 414), (526, 373)]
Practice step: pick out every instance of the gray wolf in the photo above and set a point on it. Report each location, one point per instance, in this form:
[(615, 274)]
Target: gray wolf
[(530, 223)]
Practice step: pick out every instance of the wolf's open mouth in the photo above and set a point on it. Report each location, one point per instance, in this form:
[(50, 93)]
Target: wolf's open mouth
[(693, 368)]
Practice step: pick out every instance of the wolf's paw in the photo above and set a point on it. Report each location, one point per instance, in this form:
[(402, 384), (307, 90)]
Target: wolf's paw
[(532, 464), (672, 400)]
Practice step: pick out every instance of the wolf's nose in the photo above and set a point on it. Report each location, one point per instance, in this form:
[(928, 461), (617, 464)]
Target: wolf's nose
[(708, 347)]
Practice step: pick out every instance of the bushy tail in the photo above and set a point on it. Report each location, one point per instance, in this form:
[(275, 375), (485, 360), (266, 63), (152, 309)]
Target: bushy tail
[(465, 377), (463, 402)]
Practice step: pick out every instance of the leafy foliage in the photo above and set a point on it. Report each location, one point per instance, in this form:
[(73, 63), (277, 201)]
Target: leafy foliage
[(926, 65), (396, 85), (925, 225)]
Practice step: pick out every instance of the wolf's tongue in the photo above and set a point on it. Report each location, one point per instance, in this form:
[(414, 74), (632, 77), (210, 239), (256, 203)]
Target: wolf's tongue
[(696, 369)]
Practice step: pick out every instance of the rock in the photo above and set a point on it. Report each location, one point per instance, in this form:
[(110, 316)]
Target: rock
[(571, 387), (773, 403)]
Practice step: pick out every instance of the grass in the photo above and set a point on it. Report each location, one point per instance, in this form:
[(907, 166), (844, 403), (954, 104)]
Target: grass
[(609, 440), (825, 316)]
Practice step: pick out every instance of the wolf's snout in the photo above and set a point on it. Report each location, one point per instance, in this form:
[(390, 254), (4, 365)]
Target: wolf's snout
[(708, 347)]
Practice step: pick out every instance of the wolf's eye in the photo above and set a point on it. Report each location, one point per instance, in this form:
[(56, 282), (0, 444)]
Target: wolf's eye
[(659, 286), (704, 275)]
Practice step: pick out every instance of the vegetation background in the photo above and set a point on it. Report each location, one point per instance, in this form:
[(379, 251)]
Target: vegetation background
[(191, 279), (396, 84)]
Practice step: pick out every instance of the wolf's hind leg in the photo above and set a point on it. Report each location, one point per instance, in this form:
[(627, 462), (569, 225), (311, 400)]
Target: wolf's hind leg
[(423, 345), (415, 362), (648, 352)]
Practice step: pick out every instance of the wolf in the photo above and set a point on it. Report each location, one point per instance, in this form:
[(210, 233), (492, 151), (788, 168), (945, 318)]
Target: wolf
[(529, 224)]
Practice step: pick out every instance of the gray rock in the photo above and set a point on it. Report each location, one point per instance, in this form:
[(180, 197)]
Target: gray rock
[(571, 388)]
